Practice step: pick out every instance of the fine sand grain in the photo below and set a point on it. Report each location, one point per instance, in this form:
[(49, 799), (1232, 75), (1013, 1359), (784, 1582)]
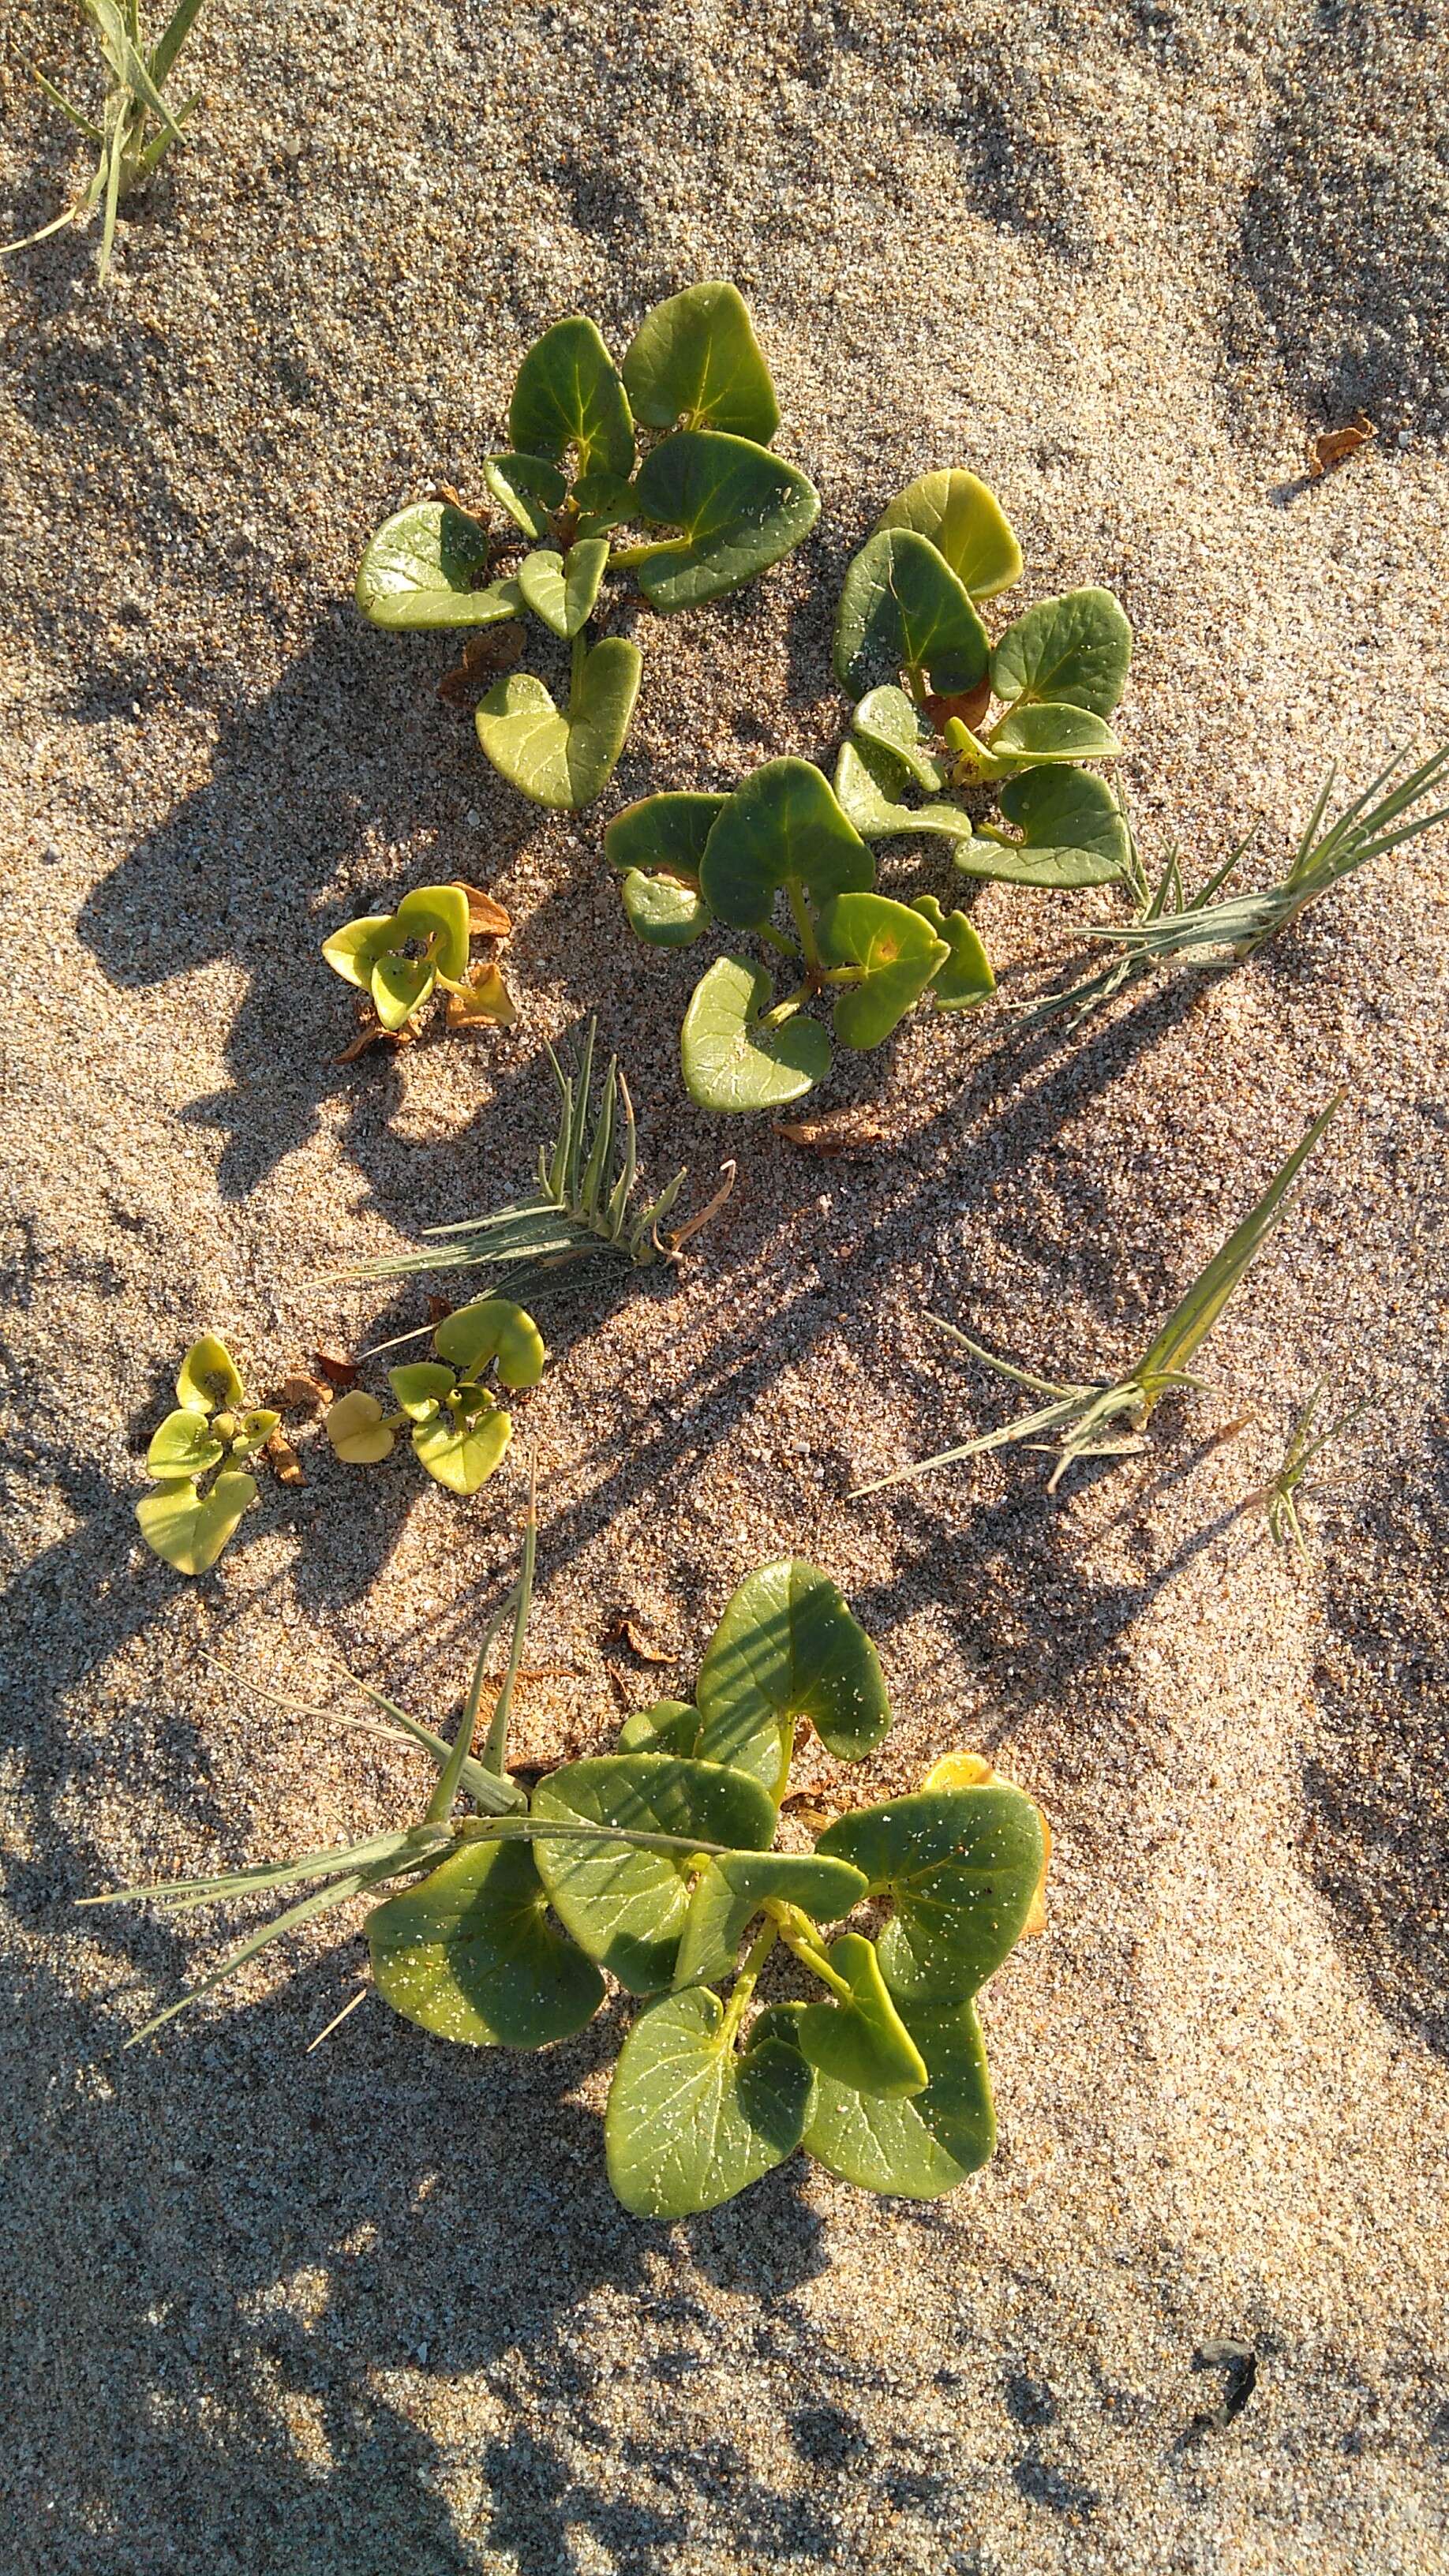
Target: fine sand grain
[(374, 2309)]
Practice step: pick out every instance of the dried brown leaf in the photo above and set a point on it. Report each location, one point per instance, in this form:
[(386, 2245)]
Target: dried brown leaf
[(286, 1465), (335, 1365), (302, 1394), (486, 919), (969, 704), (839, 1131), (491, 650), (624, 1629), (438, 1308), (1331, 446)]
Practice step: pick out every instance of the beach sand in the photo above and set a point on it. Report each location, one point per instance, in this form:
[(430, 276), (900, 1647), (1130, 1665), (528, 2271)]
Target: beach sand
[(374, 2309)]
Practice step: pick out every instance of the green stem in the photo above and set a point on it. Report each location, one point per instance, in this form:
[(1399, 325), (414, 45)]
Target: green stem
[(916, 680), (755, 1957), (804, 927), (776, 939), (798, 1934), (494, 1749), (787, 1009), (576, 663)]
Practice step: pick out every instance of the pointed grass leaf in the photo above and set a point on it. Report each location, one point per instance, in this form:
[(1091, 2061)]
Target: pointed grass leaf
[(965, 523), (425, 568), (1049, 732), (886, 716), (662, 912), (563, 760), (190, 1529), (1072, 832), (461, 1450), (356, 1429), (493, 1328), (668, 832), (730, 1892), (666, 1726), (208, 1377), (869, 786), (399, 986), (529, 488), (961, 1868), (627, 1908), (733, 1056), (897, 952), (862, 2043), (783, 826), (922, 2146), (562, 589), (1074, 650), (184, 1445), (420, 1387), (695, 359), (471, 1955), (690, 2123), (570, 395), (358, 947), (739, 508), (787, 1647), (903, 608), (437, 914), (964, 976)]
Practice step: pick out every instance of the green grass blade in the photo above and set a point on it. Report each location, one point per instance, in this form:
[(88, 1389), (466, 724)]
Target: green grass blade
[(496, 1748), (460, 1752), (173, 36), (58, 99), (1052, 1417), (323, 1901), (182, 1893), (1006, 1368)]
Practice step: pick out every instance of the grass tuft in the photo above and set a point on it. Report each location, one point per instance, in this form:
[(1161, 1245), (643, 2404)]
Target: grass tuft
[(137, 126)]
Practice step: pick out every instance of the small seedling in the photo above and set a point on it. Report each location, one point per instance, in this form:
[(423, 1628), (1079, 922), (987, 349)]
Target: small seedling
[(571, 478), (582, 1212), (195, 1459), (1206, 932), (401, 959), (655, 1865), (1280, 1496), (137, 126), (1077, 1422), (459, 1430)]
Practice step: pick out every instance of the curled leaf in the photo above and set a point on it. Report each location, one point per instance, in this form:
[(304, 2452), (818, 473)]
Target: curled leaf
[(425, 568), (357, 1430), (337, 1366), (562, 589), (492, 1328), (529, 488), (207, 1377), (486, 917), (625, 1627), (897, 953), (964, 976), (965, 523), (862, 2042), (482, 998), (184, 1445)]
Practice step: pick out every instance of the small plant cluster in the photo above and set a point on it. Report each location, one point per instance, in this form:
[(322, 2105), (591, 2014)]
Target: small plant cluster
[(138, 126), (695, 383), (196, 1461), (399, 961), (656, 1865), (911, 649), (459, 1430)]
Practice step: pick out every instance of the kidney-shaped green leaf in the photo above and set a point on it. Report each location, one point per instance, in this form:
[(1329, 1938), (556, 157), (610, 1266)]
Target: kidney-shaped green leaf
[(420, 1386), (690, 2122), (563, 760), (662, 912), (903, 608), (668, 831), (965, 523), (729, 1892), (888, 717), (492, 1328), (627, 1908), (863, 2042), (425, 568), (184, 1445), (1074, 650), (787, 1647), (964, 978), (733, 1056), (897, 952), (961, 1867), (570, 394), (666, 1726), (461, 1450), (919, 2147), (529, 488), (190, 1529), (783, 825), (562, 589), (358, 947), (1072, 832), (1049, 732), (869, 786), (695, 359), (471, 1954), (739, 508)]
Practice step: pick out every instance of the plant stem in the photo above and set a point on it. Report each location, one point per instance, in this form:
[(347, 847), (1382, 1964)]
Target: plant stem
[(798, 1934), (804, 927), (755, 1957), (494, 1749), (577, 656)]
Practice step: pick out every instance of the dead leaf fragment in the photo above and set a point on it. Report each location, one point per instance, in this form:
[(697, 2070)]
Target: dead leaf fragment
[(455, 501), (336, 1367), (491, 650), (1331, 446), (486, 919), (438, 1309), (484, 997), (624, 1628), (838, 1131), (806, 1807), (302, 1394), (286, 1465), (969, 704)]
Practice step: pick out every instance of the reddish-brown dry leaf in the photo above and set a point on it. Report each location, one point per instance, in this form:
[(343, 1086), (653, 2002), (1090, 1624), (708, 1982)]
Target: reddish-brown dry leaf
[(804, 1804), (438, 1307), (302, 1394), (484, 999), (336, 1367), (970, 705), (625, 1630), (486, 919), (838, 1131), (491, 650), (286, 1465), (1332, 445), (445, 492), (365, 1038)]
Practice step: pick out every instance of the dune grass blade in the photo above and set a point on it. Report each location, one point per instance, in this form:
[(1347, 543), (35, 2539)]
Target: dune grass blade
[(136, 126), (1073, 1425), (1279, 1497), (180, 1893), (496, 1748)]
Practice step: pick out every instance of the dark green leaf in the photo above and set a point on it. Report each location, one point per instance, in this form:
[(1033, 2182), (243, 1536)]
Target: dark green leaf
[(782, 825), (920, 2147), (689, 2123), (602, 500), (902, 608), (1074, 650), (1072, 832), (1053, 733), (965, 523), (962, 1869), (695, 358), (729, 1892), (563, 760), (888, 717), (667, 831), (562, 589), (668, 1726), (733, 1057), (425, 567), (897, 952), (787, 1647), (869, 786), (627, 1908), (739, 507), (569, 394), (863, 2044), (471, 1954), (529, 488), (965, 978)]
